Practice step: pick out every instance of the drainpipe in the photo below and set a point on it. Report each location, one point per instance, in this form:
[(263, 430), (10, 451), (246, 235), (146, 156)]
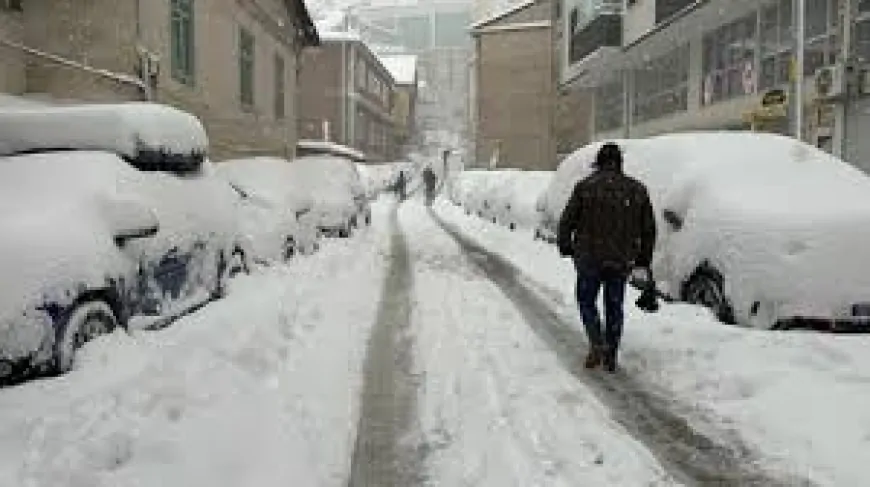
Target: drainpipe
[(846, 55)]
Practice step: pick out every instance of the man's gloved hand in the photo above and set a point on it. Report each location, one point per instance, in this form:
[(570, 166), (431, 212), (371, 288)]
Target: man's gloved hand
[(648, 301)]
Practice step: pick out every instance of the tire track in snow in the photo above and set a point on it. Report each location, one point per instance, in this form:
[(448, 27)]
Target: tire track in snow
[(690, 456), (388, 401)]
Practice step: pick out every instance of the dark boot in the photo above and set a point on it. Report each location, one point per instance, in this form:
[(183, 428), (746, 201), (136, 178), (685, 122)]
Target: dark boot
[(609, 359), (593, 358)]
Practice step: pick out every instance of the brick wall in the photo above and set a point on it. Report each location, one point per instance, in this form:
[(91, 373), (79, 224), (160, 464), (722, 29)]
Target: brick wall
[(515, 95)]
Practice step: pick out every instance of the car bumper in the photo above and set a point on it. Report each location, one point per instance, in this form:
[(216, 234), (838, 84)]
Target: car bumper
[(841, 324)]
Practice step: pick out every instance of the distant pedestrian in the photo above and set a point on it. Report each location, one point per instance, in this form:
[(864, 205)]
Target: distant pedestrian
[(608, 229), (429, 181), (401, 186)]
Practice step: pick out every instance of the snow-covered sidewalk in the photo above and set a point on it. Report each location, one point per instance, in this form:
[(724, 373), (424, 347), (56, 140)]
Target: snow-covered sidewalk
[(260, 388), (800, 398), (496, 408)]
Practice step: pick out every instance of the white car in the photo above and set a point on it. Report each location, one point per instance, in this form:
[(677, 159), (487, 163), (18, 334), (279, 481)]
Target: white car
[(108, 214), (335, 188), (763, 229), (276, 211)]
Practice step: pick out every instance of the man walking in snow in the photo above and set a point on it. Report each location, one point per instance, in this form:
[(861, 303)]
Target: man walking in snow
[(400, 186), (608, 228)]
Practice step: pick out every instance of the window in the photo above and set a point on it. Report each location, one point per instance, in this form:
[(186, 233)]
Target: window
[(729, 61), (182, 41), (662, 86), (246, 68), (14, 5), (777, 44), (280, 101)]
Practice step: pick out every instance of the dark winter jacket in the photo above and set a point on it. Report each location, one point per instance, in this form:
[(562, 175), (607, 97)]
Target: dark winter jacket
[(609, 217)]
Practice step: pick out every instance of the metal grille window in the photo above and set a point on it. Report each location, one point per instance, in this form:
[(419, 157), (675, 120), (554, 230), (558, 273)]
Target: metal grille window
[(246, 68), (608, 106), (280, 97), (182, 41), (777, 44), (662, 86), (729, 61)]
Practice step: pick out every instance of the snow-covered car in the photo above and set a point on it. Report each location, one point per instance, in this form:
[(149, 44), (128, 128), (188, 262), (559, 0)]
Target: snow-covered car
[(338, 197), (513, 198), (763, 229), (276, 211), (107, 215)]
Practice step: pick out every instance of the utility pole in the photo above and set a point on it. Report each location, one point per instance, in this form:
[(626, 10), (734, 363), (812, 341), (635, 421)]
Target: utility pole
[(798, 67)]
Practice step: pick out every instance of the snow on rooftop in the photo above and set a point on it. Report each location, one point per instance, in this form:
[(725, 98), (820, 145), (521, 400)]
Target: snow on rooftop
[(340, 36), (403, 67)]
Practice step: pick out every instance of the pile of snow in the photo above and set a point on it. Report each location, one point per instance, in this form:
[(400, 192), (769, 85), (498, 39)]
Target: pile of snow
[(125, 129), (799, 398), (771, 214)]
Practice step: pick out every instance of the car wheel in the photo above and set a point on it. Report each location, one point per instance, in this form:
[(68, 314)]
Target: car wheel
[(344, 232), (85, 322), (705, 288)]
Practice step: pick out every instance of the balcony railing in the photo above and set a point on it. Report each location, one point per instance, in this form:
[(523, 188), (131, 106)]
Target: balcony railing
[(605, 30)]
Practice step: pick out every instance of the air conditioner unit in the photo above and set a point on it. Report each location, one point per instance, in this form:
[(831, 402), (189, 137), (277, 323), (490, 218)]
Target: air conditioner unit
[(830, 81)]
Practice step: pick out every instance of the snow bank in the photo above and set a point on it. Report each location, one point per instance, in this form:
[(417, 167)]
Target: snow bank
[(800, 398), (124, 129), (225, 397), (774, 216)]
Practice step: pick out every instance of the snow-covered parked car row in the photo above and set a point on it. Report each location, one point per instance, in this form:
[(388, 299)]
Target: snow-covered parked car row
[(505, 197), (763, 229), (113, 216)]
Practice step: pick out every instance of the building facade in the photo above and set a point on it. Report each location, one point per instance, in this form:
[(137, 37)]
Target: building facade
[(436, 31), (11, 61), (347, 96), (233, 63), (676, 65), (514, 98), (403, 67)]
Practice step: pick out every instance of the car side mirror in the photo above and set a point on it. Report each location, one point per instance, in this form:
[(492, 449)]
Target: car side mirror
[(131, 220), (673, 219)]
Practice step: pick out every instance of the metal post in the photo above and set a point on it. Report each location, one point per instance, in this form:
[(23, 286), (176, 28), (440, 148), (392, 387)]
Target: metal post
[(847, 18), (800, 46)]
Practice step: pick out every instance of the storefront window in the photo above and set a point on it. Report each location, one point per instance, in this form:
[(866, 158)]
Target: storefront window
[(661, 87), (608, 106)]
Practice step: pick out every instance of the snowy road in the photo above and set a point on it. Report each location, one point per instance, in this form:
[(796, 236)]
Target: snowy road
[(408, 355)]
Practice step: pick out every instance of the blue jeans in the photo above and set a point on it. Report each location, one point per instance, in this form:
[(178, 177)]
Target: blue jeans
[(590, 279)]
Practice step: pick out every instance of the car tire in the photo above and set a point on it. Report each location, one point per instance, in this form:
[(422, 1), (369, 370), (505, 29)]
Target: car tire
[(344, 232), (84, 322), (706, 288)]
